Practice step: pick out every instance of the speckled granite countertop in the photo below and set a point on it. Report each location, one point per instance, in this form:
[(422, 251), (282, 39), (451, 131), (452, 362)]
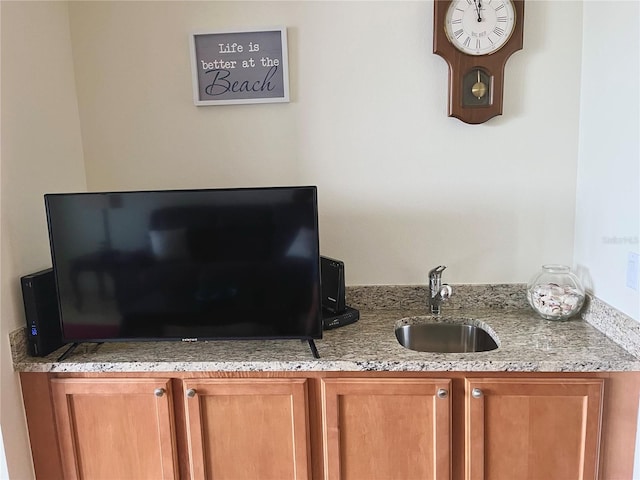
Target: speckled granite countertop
[(600, 340)]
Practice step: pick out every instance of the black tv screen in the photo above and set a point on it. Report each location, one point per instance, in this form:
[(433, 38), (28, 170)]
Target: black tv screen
[(186, 264)]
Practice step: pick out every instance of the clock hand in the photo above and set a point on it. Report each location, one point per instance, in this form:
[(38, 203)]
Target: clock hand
[(478, 6)]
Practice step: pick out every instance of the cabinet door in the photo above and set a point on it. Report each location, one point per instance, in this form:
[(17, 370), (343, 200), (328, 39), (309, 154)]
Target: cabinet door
[(115, 428), (386, 428), (533, 428), (248, 428)]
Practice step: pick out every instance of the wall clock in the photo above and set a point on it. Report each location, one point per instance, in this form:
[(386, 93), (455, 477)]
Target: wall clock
[(476, 37)]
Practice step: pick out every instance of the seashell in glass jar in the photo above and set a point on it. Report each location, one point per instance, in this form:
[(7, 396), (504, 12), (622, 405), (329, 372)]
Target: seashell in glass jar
[(555, 293)]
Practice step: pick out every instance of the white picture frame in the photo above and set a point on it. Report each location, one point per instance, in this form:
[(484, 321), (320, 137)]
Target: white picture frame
[(240, 66)]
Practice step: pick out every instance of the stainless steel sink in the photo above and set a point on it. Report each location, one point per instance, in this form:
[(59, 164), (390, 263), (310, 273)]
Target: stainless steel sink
[(445, 338)]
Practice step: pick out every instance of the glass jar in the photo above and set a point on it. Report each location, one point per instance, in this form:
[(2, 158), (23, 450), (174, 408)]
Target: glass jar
[(555, 293)]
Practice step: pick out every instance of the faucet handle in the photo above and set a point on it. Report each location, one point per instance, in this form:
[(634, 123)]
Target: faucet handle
[(445, 291)]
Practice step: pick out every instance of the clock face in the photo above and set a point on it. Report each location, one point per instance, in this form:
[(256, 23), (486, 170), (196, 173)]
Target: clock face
[(480, 27)]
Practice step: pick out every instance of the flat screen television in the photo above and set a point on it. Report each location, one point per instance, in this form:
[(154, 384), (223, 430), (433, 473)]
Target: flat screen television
[(187, 265)]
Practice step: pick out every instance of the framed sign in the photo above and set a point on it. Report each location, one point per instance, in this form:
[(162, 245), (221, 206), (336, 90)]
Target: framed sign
[(241, 66)]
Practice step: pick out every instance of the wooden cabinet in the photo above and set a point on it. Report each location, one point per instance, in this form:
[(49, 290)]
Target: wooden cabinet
[(236, 429), (513, 428), (332, 425), (386, 428), (248, 429), (532, 428), (115, 428)]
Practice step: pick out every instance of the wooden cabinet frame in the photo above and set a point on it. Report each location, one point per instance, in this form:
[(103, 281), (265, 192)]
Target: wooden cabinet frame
[(618, 431), (412, 415), (507, 428), (79, 403), (275, 414)]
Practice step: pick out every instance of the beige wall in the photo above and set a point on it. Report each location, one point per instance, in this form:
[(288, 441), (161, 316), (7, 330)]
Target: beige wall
[(402, 187), (608, 194), (41, 152)]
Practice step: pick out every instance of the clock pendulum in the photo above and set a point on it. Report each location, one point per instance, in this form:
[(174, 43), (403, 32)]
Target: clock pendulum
[(479, 89)]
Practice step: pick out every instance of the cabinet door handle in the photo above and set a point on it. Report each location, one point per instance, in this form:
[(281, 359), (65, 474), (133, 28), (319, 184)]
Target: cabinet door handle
[(191, 393), (443, 393), (158, 392), (476, 393)]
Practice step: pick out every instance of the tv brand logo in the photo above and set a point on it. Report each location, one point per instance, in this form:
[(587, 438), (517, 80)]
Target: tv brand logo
[(189, 339)]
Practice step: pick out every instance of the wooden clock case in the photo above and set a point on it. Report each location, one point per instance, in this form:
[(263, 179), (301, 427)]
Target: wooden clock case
[(461, 65)]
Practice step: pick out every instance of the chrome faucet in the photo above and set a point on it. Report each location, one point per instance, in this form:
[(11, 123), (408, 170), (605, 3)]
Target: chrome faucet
[(438, 291)]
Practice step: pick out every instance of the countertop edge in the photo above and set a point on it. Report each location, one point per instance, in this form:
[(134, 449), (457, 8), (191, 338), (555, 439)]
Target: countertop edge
[(330, 366)]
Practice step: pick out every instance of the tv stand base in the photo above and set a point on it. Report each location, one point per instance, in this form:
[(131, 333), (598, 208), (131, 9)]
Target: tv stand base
[(71, 349), (314, 349)]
